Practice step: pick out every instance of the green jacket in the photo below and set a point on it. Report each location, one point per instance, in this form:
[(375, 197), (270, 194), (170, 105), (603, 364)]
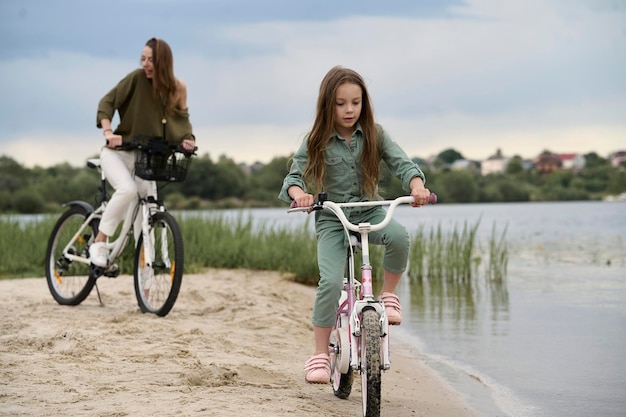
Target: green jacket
[(343, 181), (141, 114)]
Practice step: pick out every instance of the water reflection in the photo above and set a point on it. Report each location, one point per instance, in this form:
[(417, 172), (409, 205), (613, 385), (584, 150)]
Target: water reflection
[(461, 303)]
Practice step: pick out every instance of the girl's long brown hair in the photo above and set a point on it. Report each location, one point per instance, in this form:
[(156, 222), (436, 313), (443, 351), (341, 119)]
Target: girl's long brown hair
[(163, 81), (324, 125)]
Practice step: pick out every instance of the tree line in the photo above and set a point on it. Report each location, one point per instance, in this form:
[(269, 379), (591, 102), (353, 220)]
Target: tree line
[(222, 183)]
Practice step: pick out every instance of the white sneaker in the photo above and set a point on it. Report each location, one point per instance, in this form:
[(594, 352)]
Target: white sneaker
[(98, 254)]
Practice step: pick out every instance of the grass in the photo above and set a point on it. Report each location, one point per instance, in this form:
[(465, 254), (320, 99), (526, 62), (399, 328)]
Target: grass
[(217, 242)]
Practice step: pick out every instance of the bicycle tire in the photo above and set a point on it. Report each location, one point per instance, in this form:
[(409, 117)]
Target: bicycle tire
[(370, 363), (70, 282), (157, 286), (340, 370)]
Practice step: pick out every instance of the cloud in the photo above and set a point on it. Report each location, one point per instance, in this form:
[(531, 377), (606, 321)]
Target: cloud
[(476, 76)]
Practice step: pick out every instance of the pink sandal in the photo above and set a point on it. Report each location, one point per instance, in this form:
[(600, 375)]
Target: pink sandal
[(318, 369), (392, 307)]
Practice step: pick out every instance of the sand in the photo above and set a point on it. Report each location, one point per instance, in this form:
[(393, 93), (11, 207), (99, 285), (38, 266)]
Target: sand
[(233, 345)]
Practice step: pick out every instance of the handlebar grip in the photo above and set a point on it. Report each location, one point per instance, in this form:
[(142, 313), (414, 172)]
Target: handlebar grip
[(432, 199)]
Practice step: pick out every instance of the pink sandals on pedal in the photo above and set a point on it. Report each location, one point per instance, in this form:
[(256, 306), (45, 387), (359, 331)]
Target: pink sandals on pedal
[(392, 307), (318, 369)]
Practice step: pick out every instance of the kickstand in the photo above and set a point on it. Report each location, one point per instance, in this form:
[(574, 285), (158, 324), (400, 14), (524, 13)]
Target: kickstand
[(97, 273), (98, 292)]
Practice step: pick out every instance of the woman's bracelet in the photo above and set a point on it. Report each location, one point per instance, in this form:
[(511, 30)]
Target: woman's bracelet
[(107, 130)]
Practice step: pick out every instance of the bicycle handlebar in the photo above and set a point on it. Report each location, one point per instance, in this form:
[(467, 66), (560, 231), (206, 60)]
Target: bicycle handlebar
[(336, 208), (126, 146)]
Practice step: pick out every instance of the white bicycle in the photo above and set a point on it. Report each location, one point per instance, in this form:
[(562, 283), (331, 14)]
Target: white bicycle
[(159, 251)]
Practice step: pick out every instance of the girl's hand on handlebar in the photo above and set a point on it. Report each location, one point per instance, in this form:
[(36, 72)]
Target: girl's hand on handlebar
[(421, 196), (303, 200)]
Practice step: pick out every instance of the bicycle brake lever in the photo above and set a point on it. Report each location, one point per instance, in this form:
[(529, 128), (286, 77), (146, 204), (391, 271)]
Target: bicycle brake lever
[(318, 205)]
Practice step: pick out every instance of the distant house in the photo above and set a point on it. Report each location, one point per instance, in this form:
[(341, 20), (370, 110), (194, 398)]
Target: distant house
[(527, 164), (461, 164), (248, 169), (495, 164), (618, 159), (547, 162), (572, 161)]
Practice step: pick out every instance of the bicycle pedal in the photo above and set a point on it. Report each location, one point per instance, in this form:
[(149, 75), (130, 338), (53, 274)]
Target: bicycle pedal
[(112, 271), (95, 271)]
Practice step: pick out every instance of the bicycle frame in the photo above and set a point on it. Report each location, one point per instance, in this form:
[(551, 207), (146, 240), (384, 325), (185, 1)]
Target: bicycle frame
[(116, 247)]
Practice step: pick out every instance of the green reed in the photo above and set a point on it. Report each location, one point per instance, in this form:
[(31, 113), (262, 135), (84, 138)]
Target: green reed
[(218, 242), (23, 248), (455, 257), (498, 256), (221, 243)]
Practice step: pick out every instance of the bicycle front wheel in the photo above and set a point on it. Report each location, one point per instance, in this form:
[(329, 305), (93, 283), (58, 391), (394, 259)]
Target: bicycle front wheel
[(70, 282), (157, 285), (370, 363)]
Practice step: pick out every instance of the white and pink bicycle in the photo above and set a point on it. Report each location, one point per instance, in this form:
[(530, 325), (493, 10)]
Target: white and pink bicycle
[(359, 340)]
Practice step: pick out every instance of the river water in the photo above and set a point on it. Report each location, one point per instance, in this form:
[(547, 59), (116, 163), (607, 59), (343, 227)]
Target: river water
[(548, 341)]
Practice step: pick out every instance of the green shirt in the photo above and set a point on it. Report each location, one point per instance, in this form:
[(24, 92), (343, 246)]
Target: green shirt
[(343, 181), (141, 114)]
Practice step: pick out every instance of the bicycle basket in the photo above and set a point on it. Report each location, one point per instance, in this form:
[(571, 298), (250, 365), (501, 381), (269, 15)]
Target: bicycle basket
[(170, 166)]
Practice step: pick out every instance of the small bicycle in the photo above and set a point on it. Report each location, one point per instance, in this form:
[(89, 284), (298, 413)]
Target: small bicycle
[(159, 252), (360, 338)]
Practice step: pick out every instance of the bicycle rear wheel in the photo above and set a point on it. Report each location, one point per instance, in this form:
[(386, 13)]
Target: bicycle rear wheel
[(157, 285), (370, 363), (340, 371), (70, 282)]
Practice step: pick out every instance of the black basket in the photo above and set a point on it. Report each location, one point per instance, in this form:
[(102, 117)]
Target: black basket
[(158, 166)]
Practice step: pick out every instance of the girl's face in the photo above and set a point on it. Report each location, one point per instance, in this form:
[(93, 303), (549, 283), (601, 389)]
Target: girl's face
[(348, 102), (146, 61)]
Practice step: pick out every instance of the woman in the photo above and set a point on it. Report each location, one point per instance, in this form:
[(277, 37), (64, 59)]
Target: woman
[(151, 102), (341, 156)]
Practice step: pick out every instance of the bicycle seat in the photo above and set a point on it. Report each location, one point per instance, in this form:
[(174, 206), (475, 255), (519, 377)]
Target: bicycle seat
[(355, 239), (93, 163)]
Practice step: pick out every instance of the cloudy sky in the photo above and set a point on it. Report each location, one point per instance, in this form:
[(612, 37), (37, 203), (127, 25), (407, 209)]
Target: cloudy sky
[(474, 75)]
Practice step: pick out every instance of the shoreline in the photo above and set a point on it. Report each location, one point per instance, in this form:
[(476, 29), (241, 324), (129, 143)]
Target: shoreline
[(234, 344)]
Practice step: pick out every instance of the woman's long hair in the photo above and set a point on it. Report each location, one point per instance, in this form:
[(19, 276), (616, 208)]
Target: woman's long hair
[(323, 127), (164, 83)]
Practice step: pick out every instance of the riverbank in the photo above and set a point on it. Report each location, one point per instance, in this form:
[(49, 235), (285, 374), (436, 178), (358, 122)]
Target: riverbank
[(234, 344)]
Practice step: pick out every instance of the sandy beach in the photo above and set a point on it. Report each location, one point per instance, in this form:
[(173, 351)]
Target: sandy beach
[(233, 345)]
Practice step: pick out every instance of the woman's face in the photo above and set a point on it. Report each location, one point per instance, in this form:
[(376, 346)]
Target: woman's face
[(146, 61), (348, 103)]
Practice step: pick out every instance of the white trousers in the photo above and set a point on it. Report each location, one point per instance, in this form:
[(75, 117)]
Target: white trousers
[(119, 168)]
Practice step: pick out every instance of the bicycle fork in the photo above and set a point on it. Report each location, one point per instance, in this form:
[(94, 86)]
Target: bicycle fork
[(355, 335), (149, 250), (367, 301)]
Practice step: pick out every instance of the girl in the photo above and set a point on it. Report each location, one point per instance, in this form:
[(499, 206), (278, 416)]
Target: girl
[(341, 156), (151, 102)]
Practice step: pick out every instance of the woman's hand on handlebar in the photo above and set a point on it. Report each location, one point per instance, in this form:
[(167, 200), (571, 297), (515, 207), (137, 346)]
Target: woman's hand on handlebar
[(113, 140), (189, 145)]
